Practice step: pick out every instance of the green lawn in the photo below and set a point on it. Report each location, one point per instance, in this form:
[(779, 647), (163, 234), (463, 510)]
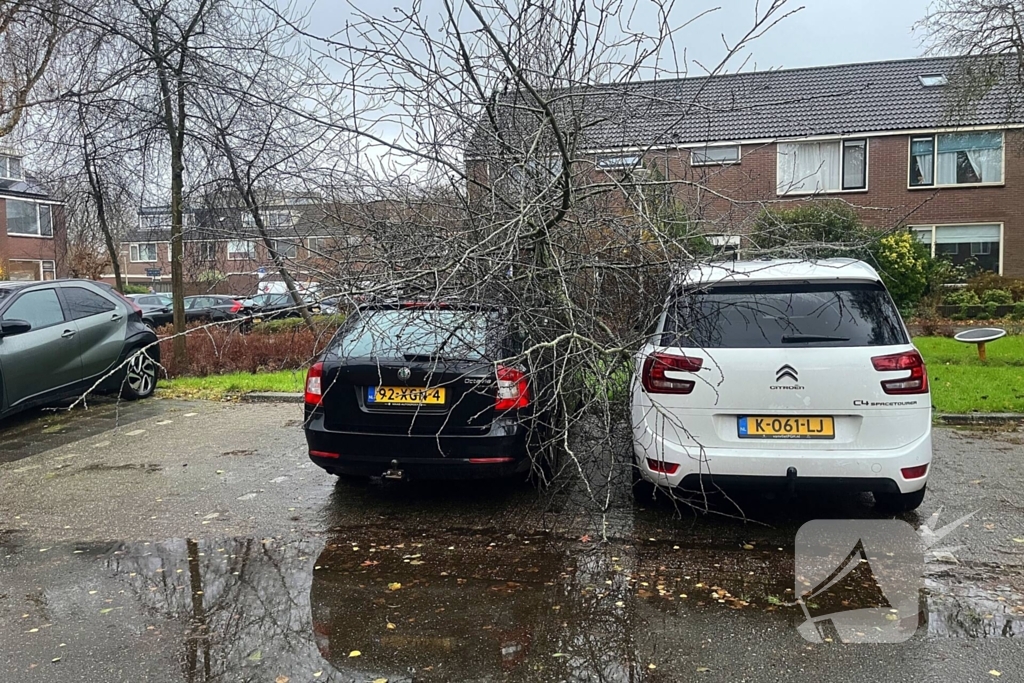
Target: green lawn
[(218, 386), (960, 382)]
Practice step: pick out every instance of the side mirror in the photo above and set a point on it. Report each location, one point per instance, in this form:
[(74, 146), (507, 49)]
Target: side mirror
[(9, 328)]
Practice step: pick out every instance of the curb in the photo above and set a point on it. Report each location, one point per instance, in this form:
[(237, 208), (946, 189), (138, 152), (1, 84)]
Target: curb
[(272, 397), (981, 418)]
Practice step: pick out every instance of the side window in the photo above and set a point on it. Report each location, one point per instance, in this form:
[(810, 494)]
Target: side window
[(82, 303), (40, 308)]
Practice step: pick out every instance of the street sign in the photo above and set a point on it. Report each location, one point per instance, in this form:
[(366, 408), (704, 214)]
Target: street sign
[(152, 272)]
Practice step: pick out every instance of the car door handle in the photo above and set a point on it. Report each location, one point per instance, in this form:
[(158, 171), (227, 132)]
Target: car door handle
[(68, 334), (116, 317)]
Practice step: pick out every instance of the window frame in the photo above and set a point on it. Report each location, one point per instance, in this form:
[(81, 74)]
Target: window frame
[(636, 162), (935, 184), (842, 142), (206, 250), (292, 243), (932, 228), (720, 145), (41, 268), (248, 255), (134, 253), (5, 167), (32, 290), (39, 218)]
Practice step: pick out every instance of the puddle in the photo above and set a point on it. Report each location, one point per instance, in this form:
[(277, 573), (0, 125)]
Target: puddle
[(467, 606)]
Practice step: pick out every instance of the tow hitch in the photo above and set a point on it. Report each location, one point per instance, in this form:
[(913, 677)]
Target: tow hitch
[(393, 473)]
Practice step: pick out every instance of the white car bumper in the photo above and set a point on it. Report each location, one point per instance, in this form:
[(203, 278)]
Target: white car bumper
[(854, 469)]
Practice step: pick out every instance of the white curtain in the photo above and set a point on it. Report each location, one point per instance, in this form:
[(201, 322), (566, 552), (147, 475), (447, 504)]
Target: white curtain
[(984, 152), (987, 163), (808, 167), (947, 168)]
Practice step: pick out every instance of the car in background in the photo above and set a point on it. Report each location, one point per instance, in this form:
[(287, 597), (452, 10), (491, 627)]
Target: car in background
[(275, 306), (156, 308), (333, 305), (214, 308), (63, 338), (783, 374), (415, 390)]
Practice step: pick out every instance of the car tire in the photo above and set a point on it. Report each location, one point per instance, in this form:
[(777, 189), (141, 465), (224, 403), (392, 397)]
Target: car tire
[(140, 376), (897, 503)]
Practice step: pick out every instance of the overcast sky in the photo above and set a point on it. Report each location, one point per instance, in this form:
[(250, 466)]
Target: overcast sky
[(824, 32)]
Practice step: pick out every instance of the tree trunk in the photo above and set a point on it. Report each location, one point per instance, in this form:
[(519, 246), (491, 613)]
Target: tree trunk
[(177, 277)]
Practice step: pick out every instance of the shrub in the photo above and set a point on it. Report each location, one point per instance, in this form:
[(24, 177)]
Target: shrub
[(997, 296), (984, 282), (820, 229), (989, 310), (962, 298), (219, 349), (904, 264), (321, 322), (1018, 311), (135, 289)]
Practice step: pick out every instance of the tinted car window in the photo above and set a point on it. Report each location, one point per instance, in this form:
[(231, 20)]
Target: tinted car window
[(416, 332), (773, 315), (82, 303), (40, 308)]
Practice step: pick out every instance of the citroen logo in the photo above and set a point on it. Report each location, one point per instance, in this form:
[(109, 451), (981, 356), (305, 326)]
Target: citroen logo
[(786, 371), (404, 374)]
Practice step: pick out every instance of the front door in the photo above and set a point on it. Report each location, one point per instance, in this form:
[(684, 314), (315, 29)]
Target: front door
[(44, 359)]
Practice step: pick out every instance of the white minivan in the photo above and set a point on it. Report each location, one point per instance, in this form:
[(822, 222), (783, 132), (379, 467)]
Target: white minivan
[(792, 374)]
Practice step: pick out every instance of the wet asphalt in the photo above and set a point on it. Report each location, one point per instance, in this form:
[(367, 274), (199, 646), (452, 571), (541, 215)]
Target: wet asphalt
[(193, 541)]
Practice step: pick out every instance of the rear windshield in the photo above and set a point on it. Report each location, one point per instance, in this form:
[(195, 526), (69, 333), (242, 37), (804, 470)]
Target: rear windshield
[(777, 315), (417, 333)]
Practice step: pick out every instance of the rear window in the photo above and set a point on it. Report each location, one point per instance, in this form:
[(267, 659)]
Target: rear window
[(778, 315), (463, 335)]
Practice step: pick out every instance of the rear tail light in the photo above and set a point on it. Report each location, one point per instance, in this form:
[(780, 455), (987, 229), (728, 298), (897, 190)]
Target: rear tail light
[(914, 383), (236, 306), (314, 388), (661, 373), (662, 467), (915, 472), (513, 392)]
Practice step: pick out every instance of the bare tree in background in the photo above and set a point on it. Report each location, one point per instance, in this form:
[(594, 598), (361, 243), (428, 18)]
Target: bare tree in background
[(30, 32), (989, 36)]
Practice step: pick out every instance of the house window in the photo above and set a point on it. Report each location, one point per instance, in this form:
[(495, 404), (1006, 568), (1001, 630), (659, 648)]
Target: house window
[(933, 80), (144, 252), (619, 162), (240, 250), (956, 159), (319, 246), (975, 245), (206, 251), (161, 220), (285, 248), (31, 270), (717, 155), (830, 166), (271, 219), (10, 168), (29, 218)]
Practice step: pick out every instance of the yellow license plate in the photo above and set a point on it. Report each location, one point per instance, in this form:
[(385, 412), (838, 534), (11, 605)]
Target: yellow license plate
[(779, 427), (417, 396)]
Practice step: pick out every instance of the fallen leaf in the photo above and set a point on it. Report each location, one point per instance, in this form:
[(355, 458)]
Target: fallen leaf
[(1018, 540), (255, 656), (380, 680), (55, 660), (281, 679), (394, 586), (585, 538), (703, 669), (318, 674), (652, 666), (391, 627), (355, 653), (106, 609), (747, 546), (993, 672)]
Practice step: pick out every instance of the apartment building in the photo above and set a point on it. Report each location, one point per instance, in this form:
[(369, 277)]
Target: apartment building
[(32, 236)]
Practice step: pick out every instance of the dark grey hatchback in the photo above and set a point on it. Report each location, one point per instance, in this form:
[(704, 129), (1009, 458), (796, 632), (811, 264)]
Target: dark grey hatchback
[(408, 390), (62, 338)]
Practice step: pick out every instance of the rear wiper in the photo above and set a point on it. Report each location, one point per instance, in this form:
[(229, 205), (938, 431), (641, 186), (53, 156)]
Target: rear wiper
[(801, 338)]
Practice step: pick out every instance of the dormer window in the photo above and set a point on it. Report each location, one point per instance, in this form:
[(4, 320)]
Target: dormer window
[(10, 167), (933, 80)]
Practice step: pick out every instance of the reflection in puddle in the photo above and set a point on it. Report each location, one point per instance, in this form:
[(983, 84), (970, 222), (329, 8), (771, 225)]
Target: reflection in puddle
[(484, 607)]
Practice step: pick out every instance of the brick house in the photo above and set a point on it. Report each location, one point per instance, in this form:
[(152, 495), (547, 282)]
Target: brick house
[(223, 252), (32, 236), (886, 137)]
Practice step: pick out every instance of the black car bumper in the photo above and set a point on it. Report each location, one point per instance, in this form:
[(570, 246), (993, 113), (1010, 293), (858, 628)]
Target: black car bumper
[(499, 453)]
